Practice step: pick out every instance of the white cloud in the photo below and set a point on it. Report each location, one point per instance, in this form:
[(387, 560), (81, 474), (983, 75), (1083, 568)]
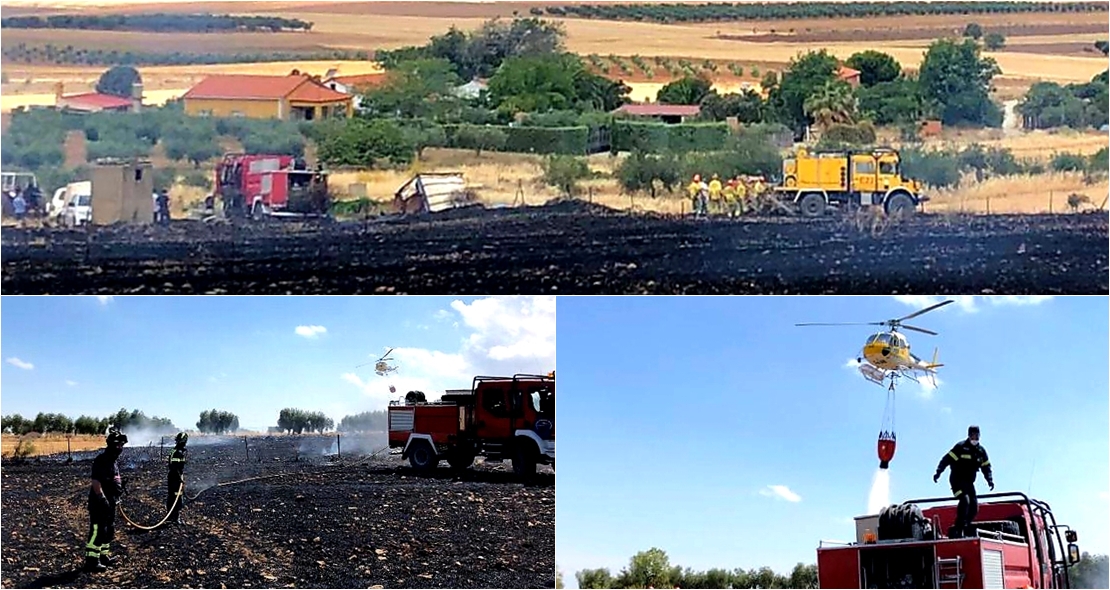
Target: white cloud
[(969, 303), (22, 364), (71, 383), (926, 386), (852, 364), (506, 335), (781, 492), (104, 299), (310, 332)]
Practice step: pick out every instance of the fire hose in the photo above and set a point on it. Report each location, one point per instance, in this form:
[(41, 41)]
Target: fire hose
[(181, 490), (176, 501)]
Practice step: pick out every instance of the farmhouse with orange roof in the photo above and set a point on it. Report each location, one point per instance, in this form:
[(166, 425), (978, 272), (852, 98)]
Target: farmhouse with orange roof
[(296, 97)]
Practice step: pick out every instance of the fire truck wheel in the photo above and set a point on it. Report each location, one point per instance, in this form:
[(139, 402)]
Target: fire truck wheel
[(524, 461), (812, 205), (422, 456), (899, 205)]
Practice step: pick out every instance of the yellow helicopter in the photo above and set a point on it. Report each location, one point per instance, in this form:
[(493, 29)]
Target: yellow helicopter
[(887, 354), (382, 366)]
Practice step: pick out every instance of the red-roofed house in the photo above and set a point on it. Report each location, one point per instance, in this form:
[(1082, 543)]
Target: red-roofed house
[(667, 113), (297, 97), (95, 102), (848, 75)]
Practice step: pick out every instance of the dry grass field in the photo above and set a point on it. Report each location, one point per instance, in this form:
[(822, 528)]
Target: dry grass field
[(50, 443)]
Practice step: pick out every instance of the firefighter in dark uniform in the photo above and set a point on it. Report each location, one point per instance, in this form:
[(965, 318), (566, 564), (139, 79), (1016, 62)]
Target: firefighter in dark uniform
[(177, 478), (104, 495), (966, 459)]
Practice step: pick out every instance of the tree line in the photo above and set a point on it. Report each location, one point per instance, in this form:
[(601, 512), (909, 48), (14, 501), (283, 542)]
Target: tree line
[(59, 423), (725, 11), (69, 55), (217, 422), (158, 23), (375, 421), (298, 421), (653, 569)]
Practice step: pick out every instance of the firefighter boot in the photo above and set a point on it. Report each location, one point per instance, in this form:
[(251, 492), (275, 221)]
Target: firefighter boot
[(107, 560), (93, 565)]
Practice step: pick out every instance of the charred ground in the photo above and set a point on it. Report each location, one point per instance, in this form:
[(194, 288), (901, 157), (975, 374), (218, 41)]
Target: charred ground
[(566, 249), (325, 523)]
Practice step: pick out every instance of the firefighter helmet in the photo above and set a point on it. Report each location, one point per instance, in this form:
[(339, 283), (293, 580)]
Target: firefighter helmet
[(115, 437), (181, 439), (973, 431)]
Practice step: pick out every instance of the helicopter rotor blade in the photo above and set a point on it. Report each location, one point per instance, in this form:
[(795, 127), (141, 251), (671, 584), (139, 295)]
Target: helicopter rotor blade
[(916, 329), (845, 324), (926, 310)]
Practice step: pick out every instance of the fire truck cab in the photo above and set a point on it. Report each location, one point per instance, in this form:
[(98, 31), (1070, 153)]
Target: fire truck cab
[(498, 418), (1017, 545)]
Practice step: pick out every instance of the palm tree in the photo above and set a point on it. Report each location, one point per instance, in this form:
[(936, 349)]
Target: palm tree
[(833, 103)]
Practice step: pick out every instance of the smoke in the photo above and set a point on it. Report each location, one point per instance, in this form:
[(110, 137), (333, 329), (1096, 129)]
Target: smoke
[(879, 497), (361, 444)]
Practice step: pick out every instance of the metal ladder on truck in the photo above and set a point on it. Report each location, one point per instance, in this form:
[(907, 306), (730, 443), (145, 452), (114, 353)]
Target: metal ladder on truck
[(949, 571)]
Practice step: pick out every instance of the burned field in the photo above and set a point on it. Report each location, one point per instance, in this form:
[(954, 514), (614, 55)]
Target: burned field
[(307, 519), (570, 248)]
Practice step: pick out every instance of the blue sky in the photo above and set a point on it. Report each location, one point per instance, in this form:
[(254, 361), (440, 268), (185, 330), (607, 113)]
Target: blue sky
[(685, 409), (176, 356)]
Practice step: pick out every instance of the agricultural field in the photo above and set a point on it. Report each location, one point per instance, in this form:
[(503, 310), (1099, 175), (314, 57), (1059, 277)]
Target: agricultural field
[(306, 518), (48, 444), (1050, 46), (571, 248)]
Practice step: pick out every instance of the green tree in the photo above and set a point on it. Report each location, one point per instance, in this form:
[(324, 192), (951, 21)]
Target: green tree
[(1047, 104), (564, 172), (642, 172), (535, 83), (1089, 572), (833, 103), (974, 31), (118, 81), (414, 88), (594, 579), (770, 80), (957, 79), (994, 41), (874, 67), (891, 103), (747, 106), (647, 569), (480, 137), (366, 143), (805, 75), (687, 90)]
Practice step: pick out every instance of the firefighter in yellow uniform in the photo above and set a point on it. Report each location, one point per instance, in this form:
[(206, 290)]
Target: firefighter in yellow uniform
[(715, 194), (757, 192), (694, 189), (728, 195), (741, 195)]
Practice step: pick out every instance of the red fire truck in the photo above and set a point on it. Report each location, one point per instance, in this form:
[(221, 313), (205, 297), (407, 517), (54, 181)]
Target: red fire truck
[(261, 185), (497, 418), (1017, 545)]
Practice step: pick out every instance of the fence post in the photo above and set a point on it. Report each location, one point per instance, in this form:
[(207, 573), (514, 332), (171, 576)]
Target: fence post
[(338, 451), (246, 450), (1050, 202), (988, 203), (161, 447), (69, 449)]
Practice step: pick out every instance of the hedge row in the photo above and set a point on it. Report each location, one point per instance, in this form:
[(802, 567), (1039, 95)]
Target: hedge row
[(659, 137), (534, 140)]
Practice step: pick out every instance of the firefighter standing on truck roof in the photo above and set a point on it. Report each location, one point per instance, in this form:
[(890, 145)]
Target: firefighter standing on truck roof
[(104, 494), (175, 487), (965, 460)]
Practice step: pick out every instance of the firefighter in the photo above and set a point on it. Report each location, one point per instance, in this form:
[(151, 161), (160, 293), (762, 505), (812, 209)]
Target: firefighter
[(742, 194), (965, 460), (104, 495), (729, 197), (694, 189), (715, 194), (163, 213), (176, 478)]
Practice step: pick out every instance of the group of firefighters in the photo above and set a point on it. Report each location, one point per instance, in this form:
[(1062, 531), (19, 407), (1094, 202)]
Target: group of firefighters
[(733, 197), (108, 487)]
